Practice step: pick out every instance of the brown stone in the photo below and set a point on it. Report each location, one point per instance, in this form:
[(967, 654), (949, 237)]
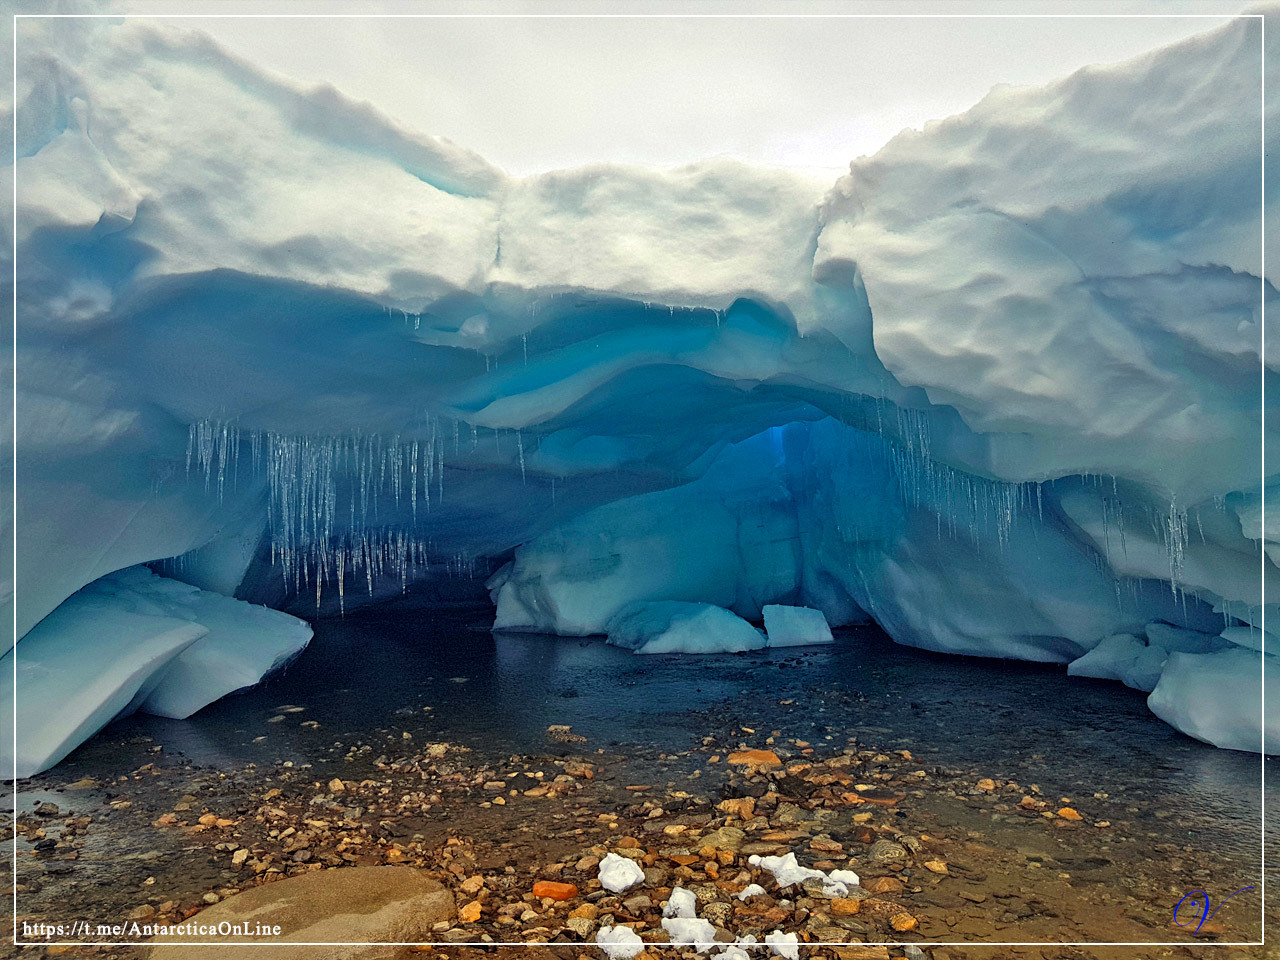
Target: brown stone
[(755, 758), (883, 798), (902, 922), (885, 885), (987, 785), (350, 906), (876, 952), (844, 907), (936, 866), (1066, 813)]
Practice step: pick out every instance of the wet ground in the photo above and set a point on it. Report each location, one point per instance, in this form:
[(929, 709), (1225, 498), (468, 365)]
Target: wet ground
[(427, 721)]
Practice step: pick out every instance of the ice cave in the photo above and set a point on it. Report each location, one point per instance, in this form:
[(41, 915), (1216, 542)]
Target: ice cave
[(998, 389), (878, 517)]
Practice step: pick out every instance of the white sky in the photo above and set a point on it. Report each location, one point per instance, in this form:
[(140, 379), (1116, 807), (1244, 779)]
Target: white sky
[(539, 94)]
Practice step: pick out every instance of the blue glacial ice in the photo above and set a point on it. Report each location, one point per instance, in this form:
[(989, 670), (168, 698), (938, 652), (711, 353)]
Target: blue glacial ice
[(998, 389)]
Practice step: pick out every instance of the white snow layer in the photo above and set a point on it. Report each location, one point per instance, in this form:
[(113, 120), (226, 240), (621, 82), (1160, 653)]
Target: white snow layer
[(133, 641), (997, 389)]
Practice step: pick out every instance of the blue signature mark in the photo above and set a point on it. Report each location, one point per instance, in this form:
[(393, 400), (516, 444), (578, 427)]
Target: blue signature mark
[(1196, 896)]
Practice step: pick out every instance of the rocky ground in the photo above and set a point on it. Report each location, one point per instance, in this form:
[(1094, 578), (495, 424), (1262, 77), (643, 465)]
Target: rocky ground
[(944, 855)]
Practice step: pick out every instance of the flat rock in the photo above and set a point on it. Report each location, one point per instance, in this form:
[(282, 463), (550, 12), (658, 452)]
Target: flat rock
[(726, 838), (367, 907)]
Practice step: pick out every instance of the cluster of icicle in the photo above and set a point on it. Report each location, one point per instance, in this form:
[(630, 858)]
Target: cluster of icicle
[(326, 495), (964, 503)]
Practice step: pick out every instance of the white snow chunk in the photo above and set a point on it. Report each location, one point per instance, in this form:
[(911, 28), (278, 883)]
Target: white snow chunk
[(795, 626), (619, 943), (750, 890), (847, 877), (672, 626), (785, 870), (732, 952), (681, 903), (618, 873), (686, 930), (1217, 698), (783, 944)]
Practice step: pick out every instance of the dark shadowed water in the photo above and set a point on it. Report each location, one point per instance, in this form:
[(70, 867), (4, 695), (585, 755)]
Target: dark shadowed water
[(371, 677)]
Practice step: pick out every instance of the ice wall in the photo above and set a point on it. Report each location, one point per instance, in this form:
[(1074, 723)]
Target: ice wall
[(999, 388)]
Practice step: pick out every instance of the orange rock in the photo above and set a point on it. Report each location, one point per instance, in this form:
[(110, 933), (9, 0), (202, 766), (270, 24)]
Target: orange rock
[(987, 784), (1027, 803), (684, 859), (842, 907), (554, 890), (935, 866), (902, 922), (1066, 813), (744, 808), (470, 913), (755, 758)]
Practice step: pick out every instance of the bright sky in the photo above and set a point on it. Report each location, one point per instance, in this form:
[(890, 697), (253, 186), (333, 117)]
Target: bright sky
[(538, 94)]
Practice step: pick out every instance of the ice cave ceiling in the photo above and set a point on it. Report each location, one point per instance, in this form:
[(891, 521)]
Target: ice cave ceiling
[(999, 388)]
